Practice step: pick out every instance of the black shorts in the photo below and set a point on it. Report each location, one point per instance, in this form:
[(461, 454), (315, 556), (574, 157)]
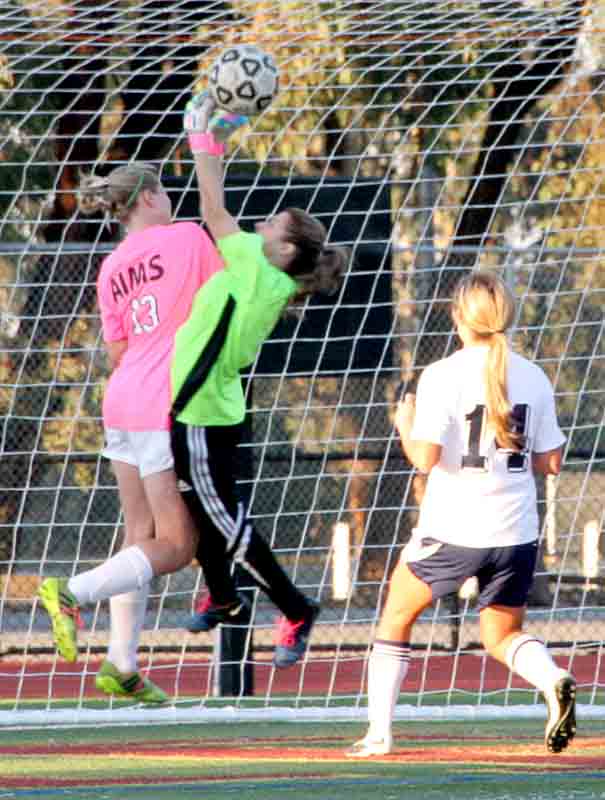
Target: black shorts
[(206, 459), (505, 574)]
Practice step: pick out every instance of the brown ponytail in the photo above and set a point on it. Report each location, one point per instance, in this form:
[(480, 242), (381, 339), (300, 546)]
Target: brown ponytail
[(117, 194), (485, 305), (316, 267)]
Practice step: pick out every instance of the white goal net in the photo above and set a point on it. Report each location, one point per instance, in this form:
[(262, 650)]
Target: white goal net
[(430, 137)]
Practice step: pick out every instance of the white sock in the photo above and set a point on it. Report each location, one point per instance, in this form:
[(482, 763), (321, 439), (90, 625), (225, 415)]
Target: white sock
[(387, 668), (127, 620), (529, 658), (127, 570)]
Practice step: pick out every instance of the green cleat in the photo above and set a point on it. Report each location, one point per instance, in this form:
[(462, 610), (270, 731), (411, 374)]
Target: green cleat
[(62, 608), (128, 684)]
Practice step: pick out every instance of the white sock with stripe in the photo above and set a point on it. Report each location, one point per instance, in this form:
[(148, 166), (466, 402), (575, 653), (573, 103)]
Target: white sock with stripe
[(127, 570), (529, 658), (387, 668), (127, 620)]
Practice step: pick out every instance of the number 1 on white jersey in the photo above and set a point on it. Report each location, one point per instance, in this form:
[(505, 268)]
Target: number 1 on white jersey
[(478, 442)]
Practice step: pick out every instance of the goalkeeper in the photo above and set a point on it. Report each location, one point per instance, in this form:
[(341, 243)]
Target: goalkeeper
[(285, 260)]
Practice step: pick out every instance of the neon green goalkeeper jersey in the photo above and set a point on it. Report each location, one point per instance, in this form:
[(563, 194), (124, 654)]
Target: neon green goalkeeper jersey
[(232, 315)]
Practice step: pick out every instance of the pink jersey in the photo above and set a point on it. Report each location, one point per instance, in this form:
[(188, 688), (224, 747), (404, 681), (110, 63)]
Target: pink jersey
[(145, 290)]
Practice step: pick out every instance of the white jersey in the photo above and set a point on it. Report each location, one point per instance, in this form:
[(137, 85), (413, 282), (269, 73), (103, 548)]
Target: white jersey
[(479, 494)]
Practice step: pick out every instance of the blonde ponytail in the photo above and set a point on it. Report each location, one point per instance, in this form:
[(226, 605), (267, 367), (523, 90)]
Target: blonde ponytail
[(484, 304), (498, 405), (117, 194)]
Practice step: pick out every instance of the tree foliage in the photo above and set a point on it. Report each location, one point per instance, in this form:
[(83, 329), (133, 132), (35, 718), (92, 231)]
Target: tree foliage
[(401, 93)]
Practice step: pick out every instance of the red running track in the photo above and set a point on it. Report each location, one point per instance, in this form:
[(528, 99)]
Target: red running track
[(61, 680)]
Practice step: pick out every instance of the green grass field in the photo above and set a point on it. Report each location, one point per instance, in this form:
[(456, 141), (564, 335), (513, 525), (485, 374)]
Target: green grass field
[(495, 760)]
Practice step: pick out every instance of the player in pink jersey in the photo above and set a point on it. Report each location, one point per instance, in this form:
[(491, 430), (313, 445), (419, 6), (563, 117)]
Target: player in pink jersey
[(145, 290)]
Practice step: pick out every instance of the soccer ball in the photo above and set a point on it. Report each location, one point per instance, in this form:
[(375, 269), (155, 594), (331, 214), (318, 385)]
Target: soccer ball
[(243, 79)]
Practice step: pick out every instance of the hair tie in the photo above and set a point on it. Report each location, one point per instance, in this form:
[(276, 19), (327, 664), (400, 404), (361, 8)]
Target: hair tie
[(131, 200)]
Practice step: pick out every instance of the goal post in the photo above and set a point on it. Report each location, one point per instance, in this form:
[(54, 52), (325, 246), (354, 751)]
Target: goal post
[(430, 139)]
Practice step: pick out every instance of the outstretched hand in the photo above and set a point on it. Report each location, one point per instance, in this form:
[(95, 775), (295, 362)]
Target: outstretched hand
[(203, 115), (224, 123), (198, 112)]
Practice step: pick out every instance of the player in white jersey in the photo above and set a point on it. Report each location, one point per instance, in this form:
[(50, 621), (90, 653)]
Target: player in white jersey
[(483, 422)]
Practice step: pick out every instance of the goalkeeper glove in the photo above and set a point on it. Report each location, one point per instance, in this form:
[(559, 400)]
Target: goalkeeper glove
[(208, 126)]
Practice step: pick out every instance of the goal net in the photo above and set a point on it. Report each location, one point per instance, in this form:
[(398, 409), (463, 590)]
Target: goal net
[(430, 138)]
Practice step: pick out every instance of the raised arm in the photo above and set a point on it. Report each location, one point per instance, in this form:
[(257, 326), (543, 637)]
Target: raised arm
[(209, 172), (208, 129)]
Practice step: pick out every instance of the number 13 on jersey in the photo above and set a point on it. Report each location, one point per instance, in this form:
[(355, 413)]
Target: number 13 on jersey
[(479, 440), (145, 316)]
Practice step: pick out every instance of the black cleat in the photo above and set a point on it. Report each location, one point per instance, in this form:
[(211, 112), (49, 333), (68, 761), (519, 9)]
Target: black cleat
[(561, 724)]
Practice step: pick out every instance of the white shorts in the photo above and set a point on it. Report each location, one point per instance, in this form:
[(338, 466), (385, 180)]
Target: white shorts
[(150, 451)]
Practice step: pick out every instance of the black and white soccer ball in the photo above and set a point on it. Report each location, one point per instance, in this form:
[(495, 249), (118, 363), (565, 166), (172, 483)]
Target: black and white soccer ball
[(244, 79)]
